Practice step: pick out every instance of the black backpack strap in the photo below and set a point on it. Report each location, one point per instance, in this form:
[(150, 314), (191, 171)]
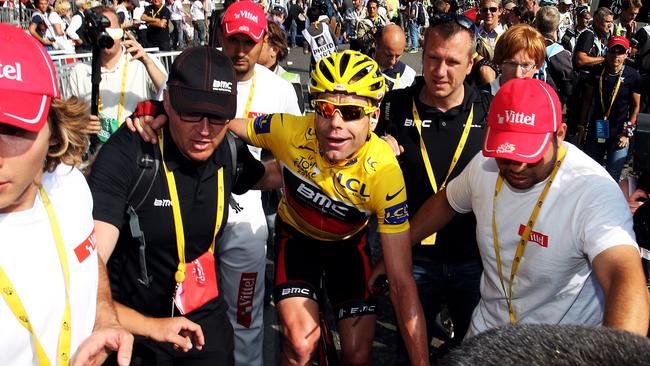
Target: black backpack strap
[(148, 161), (482, 106), (234, 144)]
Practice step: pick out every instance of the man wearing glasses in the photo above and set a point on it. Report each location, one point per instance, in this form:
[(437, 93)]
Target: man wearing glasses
[(490, 28), (439, 123), (162, 263)]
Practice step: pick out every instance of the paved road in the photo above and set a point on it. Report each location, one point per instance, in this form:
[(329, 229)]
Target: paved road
[(383, 352)]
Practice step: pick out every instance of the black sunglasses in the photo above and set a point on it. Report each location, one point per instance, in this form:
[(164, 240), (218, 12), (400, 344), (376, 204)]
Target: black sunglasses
[(492, 9), (442, 18), (198, 117)]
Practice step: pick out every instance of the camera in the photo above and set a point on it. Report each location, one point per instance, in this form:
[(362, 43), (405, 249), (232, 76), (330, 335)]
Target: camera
[(96, 25)]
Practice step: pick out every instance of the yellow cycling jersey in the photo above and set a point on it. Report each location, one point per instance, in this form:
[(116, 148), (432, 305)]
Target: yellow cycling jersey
[(329, 201)]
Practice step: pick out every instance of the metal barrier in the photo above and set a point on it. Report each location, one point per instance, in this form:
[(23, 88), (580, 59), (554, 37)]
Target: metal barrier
[(13, 16), (64, 63)]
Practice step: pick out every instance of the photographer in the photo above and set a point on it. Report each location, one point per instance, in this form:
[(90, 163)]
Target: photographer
[(128, 76)]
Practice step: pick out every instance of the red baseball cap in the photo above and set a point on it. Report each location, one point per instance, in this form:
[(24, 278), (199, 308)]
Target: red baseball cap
[(27, 80), (618, 41), (244, 17), (522, 119)]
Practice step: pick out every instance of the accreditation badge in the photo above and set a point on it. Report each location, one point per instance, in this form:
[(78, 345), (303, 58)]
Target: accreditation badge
[(108, 127), (199, 286), (602, 130)]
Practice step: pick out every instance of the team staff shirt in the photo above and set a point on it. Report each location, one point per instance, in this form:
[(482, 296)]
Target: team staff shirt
[(327, 201), (554, 283), (156, 36), (29, 256), (441, 134), (620, 112), (400, 73), (114, 175), (588, 43), (138, 86)]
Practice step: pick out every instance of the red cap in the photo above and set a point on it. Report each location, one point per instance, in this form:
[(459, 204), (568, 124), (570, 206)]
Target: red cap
[(471, 14), (522, 119), (244, 17), (618, 41), (27, 80)]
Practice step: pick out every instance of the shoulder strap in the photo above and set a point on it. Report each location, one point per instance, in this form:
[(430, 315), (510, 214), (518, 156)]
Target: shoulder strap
[(482, 106), (234, 144), (148, 161)]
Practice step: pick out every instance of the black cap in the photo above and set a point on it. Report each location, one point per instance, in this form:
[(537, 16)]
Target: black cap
[(202, 80)]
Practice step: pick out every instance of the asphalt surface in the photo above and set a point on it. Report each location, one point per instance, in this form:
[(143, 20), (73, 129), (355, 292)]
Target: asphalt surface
[(384, 345)]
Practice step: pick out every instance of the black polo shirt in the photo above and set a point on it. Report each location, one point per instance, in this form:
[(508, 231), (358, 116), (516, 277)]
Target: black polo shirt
[(586, 43), (441, 133), (156, 36), (620, 113), (113, 176)]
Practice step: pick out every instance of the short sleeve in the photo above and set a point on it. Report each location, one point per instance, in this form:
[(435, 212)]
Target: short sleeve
[(270, 132), (252, 170), (585, 42), (389, 196), (459, 190)]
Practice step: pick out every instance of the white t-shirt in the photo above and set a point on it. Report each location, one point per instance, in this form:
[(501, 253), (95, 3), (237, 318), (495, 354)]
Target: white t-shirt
[(554, 283), (271, 94), (138, 86), (55, 18), (29, 256), (177, 10), (196, 10), (123, 10)]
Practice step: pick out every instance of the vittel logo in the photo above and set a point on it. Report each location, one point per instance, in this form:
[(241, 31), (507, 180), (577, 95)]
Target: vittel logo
[(247, 15), (220, 85), (11, 72), (516, 117)]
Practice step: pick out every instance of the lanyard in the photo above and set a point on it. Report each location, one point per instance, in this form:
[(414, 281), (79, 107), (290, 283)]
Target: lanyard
[(614, 93), (178, 219), (250, 96), (525, 235), (153, 15), (427, 164), (120, 106), (11, 296)]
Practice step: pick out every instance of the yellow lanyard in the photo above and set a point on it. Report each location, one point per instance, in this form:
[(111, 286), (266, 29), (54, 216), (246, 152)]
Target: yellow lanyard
[(11, 296), (525, 235), (178, 219), (250, 96), (427, 164), (614, 94), (120, 106), (396, 83), (153, 15)]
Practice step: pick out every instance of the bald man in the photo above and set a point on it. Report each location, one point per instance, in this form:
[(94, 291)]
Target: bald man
[(391, 42)]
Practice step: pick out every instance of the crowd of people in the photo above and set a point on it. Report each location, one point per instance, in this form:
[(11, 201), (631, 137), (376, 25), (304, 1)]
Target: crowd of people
[(498, 184)]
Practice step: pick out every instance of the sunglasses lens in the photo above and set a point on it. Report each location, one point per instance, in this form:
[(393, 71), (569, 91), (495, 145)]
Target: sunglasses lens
[(348, 112)]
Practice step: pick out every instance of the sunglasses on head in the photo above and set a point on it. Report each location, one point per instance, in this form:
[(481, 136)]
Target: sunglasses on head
[(442, 18), (349, 112), (198, 117), (492, 9)]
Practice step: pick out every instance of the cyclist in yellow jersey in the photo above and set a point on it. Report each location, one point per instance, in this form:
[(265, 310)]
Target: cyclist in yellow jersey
[(336, 174)]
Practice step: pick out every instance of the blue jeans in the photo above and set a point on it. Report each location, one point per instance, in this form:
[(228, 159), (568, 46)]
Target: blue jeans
[(199, 32), (615, 157), (414, 35), (454, 284), (178, 39)]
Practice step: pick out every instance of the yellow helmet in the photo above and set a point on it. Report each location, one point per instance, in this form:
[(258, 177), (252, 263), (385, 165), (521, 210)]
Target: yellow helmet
[(349, 72)]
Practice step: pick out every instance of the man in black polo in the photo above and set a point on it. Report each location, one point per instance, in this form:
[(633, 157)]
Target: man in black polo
[(169, 271), (441, 118), (157, 17)]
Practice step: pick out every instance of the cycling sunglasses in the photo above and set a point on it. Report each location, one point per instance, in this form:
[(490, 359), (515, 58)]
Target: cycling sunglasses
[(349, 112), (442, 18)]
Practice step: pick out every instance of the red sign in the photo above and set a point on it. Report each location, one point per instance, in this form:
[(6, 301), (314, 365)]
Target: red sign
[(245, 298), (86, 248), (535, 237)]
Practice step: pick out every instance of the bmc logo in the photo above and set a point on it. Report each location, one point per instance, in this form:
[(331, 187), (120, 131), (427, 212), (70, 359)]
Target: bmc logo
[(410, 123), (11, 72), (516, 118), (320, 200), (295, 291), (396, 214)]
